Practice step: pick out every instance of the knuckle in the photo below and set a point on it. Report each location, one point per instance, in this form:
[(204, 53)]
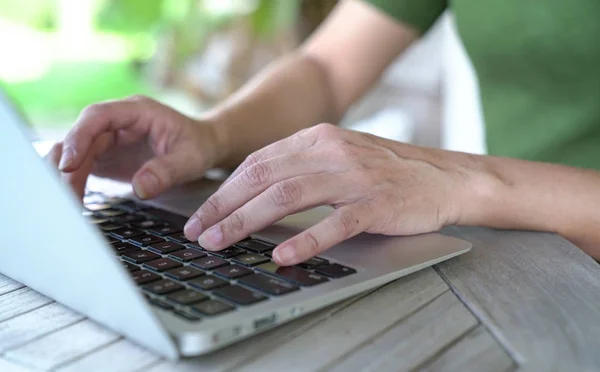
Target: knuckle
[(138, 98), (251, 159), (314, 248), (94, 109), (326, 131), (257, 175), (237, 221), (212, 206), (346, 223), (165, 169), (285, 194)]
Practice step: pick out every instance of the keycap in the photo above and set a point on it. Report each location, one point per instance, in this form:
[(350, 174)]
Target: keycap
[(178, 238), (161, 304), (140, 256), (162, 287), (195, 245), (126, 218), (145, 240), (97, 206), (228, 252), (187, 297), (250, 259), (313, 263), (335, 270), (186, 316), (268, 284), (187, 255), (232, 271), (109, 226), (162, 264), (293, 274), (120, 247), (184, 273), (131, 268), (165, 230), (126, 233), (144, 277), (110, 239), (212, 307), (239, 295), (209, 263), (148, 224), (207, 283), (165, 247), (256, 246)]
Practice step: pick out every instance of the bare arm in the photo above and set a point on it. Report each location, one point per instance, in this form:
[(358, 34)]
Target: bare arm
[(315, 84)]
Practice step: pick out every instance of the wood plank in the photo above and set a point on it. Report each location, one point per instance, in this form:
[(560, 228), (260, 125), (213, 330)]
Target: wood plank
[(62, 346), (537, 293), (8, 285), (8, 366), (20, 301), (413, 341), (352, 326), (24, 328), (477, 351), (122, 356)]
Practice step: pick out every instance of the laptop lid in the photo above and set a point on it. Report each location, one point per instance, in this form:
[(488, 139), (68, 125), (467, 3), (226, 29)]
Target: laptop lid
[(49, 247)]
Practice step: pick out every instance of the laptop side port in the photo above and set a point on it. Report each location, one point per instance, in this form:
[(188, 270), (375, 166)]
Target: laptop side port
[(265, 322)]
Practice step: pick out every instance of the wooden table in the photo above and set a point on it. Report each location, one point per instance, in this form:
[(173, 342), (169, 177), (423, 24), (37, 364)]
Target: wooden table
[(518, 300)]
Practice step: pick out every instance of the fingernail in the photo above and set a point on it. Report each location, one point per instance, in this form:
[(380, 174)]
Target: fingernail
[(66, 158), (192, 228), (145, 185), (211, 237), (285, 255)]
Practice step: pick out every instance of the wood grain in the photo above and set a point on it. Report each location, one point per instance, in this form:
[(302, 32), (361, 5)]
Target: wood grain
[(352, 326), (413, 341), (8, 285), (20, 301), (122, 356), (477, 351), (537, 293), (62, 346), (23, 328)]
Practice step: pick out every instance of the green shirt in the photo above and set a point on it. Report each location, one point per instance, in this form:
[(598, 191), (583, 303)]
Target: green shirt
[(538, 66)]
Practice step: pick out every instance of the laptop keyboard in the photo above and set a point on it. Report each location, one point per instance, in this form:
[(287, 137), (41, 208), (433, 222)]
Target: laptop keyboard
[(178, 275)]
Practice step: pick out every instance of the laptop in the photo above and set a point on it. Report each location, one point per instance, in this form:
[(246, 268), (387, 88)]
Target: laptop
[(127, 265)]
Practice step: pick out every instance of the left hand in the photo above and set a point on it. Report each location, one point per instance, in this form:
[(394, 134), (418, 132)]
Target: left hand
[(376, 186)]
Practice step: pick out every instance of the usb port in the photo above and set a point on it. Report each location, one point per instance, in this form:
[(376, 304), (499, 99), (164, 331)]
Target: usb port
[(265, 322)]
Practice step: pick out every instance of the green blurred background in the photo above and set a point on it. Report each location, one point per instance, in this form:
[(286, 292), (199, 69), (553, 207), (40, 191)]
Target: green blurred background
[(57, 56)]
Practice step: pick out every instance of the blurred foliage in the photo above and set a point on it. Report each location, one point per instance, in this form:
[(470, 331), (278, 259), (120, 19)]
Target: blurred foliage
[(33, 13), (270, 16)]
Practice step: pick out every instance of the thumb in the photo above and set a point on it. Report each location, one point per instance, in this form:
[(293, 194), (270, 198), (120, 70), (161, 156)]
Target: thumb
[(161, 173)]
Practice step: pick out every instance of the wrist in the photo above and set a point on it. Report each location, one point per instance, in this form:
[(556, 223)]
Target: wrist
[(221, 139)]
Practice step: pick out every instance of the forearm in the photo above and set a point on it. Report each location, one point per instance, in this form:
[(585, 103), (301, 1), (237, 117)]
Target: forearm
[(540, 197), (291, 94)]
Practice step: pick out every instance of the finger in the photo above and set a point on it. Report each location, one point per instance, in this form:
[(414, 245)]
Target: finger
[(282, 199), (53, 156), (250, 183), (94, 121), (342, 224)]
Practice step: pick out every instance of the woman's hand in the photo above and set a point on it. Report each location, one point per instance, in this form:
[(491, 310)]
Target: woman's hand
[(375, 185), (136, 140)]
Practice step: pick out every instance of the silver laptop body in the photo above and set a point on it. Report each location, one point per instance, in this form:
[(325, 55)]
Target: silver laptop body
[(50, 247)]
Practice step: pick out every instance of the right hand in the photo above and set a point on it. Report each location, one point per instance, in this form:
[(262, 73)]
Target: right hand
[(136, 140)]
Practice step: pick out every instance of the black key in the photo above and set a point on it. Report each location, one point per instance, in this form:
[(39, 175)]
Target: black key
[(184, 273), (127, 233), (229, 252), (165, 247), (126, 218), (179, 238), (129, 205), (110, 239), (207, 282), (187, 297), (187, 255), (97, 206), (256, 246), (269, 254), (195, 245), (161, 304), (163, 215), (209, 263), (148, 224), (268, 284), (165, 230), (120, 247), (186, 316), (239, 295), (109, 226), (313, 263), (335, 270), (212, 307), (163, 287), (232, 271), (131, 268), (293, 274), (146, 239), (162, 264), (140, 256), (144, 277), (250, 259)]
